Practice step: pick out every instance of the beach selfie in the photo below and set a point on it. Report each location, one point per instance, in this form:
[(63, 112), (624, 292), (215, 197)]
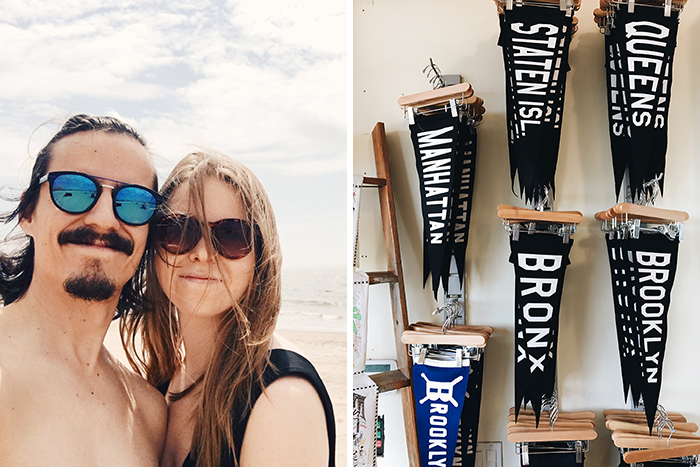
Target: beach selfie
[(172, 259)]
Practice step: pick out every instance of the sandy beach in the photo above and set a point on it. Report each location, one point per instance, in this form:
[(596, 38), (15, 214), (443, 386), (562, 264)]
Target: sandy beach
[(328, 353)]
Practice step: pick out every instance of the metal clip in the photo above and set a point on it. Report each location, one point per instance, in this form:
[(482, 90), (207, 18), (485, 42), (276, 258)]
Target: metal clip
[(630, 6), (579, 452), (453, 107), (422, 355), (634, 228), (566, 5), (524, 454), (516, 232), (667, 8)]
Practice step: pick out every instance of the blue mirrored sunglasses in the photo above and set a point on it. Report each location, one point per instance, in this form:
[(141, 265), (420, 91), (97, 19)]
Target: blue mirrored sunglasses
[(77, 193)]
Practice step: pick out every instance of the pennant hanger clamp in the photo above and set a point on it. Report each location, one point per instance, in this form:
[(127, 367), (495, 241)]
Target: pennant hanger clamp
[(446, 347), (628, 220), (518, 220), (604, 18), (675, 438), (609, 6), (454, 99), (564, 5)]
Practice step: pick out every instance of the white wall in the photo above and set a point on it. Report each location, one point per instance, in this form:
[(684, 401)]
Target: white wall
[(393, 40)]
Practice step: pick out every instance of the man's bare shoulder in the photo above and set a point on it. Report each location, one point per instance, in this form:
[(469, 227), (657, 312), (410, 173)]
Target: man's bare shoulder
[(15, 339), (151, 397), (148, 401)]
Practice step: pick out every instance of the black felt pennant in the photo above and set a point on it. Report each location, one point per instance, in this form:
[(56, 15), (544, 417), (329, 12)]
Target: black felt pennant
[(535, 43), (435, 145), (445, 152), (469, 424), (639, 64), (643, 271), (655, 260), (540, 261)]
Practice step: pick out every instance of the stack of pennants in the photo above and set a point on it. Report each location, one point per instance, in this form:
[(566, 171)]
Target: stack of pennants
[(535, 41), (444, 141), (540, 261), (640, 41), (643, 271), (447, 378)]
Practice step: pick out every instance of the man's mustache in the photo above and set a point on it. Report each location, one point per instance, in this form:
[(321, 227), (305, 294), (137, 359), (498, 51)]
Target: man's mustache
[(87, 236)]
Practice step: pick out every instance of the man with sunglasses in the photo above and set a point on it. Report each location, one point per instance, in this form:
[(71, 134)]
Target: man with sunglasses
[(64, 400)]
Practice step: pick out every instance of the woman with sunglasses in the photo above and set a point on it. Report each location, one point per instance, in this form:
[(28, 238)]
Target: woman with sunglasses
[(236, 393)]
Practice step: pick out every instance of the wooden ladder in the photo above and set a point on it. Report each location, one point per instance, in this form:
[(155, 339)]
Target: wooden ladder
[(399, 379)]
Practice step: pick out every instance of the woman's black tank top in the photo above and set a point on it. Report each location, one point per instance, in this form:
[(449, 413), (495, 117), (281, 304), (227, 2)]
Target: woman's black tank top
[(285, 363)]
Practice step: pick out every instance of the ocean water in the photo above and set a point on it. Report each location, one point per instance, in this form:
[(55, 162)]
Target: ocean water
[(314, 300)]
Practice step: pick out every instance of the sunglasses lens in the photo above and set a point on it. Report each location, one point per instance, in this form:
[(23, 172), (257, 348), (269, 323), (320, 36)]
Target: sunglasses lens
[(177, 235), (135, 205), (232, 238), (73, 193)]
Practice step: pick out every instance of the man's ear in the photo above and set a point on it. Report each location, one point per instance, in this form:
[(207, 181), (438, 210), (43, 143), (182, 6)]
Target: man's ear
[(27, 225)]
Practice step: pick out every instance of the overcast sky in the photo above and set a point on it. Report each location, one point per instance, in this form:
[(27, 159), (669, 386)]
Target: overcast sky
[(262, 81)]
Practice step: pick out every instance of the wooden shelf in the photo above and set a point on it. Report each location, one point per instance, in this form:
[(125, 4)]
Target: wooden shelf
[(390, 380)]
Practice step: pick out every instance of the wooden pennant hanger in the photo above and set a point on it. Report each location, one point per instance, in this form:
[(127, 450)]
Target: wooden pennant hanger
[(437, 96), (630, 431), (648, 455), (454, 329), (631, 441), (516, 214), (556, 435), (649, 214), (585, 415), (632, 415), (668, 435), (569, 426), (460, 339), (641, 427), (530, 424), (560, 425)]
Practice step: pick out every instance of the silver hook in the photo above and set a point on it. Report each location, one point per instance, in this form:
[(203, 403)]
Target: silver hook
[(650, 191), (451, 310), (542, 202), (436, 79)]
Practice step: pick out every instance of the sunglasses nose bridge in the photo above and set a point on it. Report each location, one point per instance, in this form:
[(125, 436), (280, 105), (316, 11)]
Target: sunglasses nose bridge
[(101, 190), (200, 251), (103, 215)]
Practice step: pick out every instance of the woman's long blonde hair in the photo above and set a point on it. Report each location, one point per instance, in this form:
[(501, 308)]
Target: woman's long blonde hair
[(241, 351)]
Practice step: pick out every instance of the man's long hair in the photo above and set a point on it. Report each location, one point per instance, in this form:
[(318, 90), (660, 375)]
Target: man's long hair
[(17, 269), (245, 329)]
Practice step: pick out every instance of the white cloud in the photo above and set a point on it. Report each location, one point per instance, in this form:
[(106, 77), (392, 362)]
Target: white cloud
[(264, 82)]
